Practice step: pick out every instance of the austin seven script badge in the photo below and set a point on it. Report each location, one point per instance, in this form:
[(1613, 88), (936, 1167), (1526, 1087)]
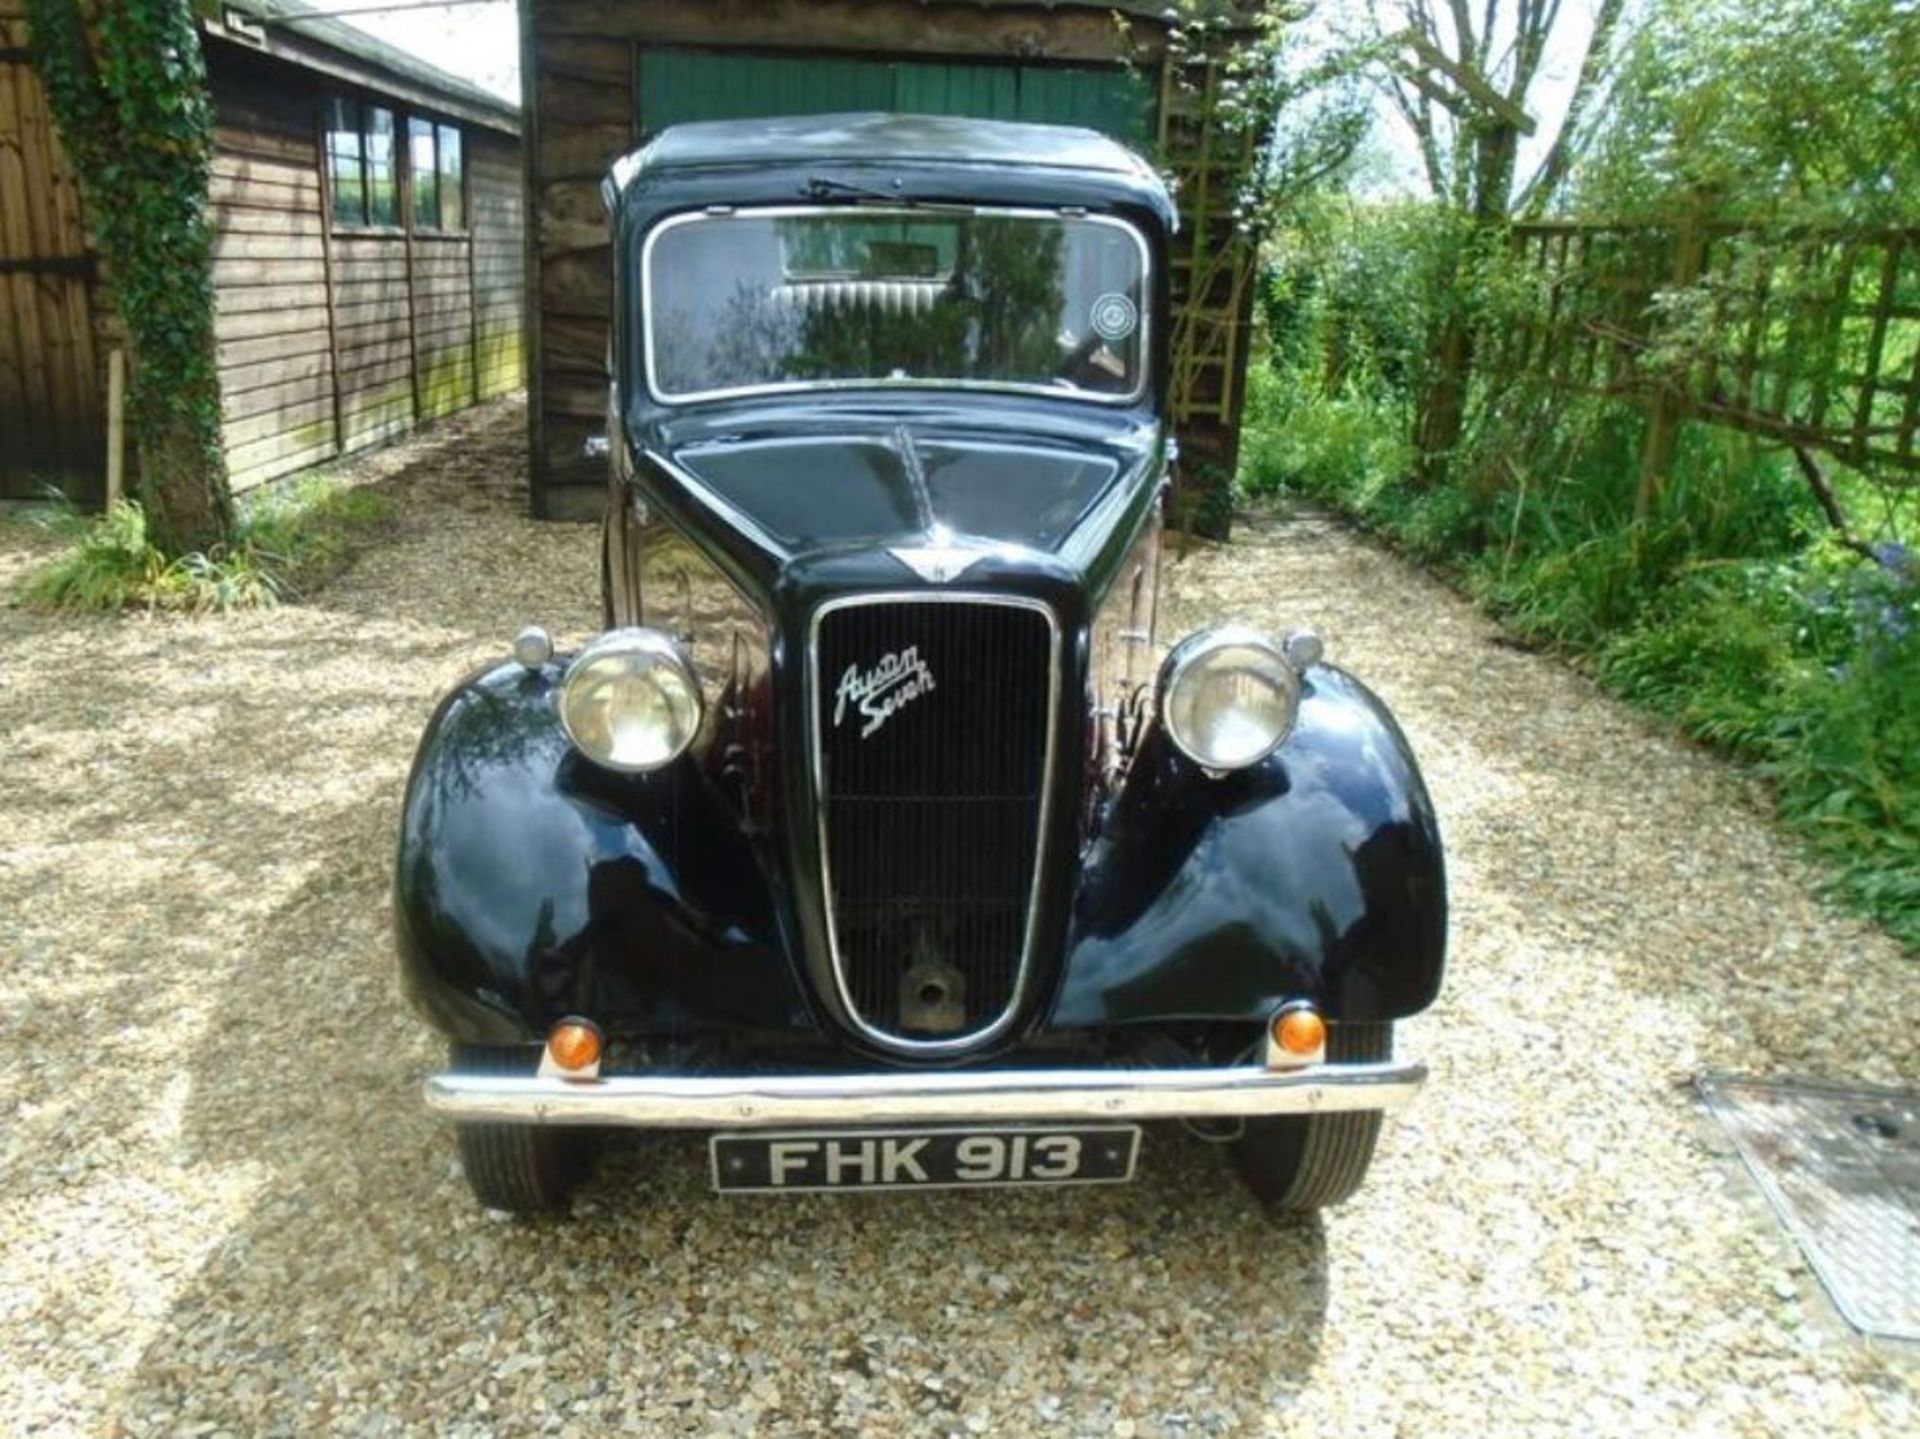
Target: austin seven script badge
[(895, 681)]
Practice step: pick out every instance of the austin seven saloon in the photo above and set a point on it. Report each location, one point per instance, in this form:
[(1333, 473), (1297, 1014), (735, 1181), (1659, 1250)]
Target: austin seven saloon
[(881, 836)]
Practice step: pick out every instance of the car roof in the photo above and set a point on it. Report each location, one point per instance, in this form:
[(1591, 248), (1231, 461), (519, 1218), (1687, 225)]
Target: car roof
[(1076, 164), (876, 136)]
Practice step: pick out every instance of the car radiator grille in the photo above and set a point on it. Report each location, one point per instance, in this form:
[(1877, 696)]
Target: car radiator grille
[(933, 727)]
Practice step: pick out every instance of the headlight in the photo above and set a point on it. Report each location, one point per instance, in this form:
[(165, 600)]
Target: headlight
[(630, 701), (1228, 697)]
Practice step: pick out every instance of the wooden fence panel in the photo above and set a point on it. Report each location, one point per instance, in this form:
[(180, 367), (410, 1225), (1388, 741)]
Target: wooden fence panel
[(52, 412), (1809, 337)]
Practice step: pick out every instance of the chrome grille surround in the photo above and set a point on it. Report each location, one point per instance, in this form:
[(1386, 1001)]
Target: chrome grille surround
[(815, 697)]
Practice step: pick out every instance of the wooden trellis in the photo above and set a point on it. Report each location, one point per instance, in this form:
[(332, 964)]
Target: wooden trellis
[(1215, 266), (1809, 336)]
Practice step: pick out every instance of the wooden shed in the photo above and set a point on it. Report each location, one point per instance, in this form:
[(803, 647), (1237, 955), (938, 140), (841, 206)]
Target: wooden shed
[(602, 76), (368, 253)]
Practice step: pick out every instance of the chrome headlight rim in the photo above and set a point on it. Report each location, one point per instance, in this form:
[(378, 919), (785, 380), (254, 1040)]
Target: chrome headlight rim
[(656, 649), (1184, 662)]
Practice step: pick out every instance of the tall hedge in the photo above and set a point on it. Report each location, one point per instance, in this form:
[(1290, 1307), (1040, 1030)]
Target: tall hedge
[(127, 84)]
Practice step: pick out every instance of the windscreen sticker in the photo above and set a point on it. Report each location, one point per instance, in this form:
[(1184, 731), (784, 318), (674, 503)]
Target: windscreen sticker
[(1114, 316)]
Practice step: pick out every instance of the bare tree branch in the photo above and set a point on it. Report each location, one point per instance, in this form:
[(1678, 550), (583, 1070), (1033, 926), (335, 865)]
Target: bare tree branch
[(1419, 119), (1533, 46), (1472, 83), (1822, 488), (1463, 45), (1554, 168), (1421, 13)]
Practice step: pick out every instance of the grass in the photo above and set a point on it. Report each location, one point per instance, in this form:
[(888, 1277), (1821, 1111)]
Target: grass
[(1731, 610), (284, 540)]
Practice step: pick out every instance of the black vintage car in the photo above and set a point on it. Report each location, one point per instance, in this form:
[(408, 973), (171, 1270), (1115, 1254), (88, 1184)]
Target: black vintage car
[(874, 836)]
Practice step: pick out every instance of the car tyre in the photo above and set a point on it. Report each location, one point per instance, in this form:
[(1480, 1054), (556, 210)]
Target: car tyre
[(518, 1168), (1299, 1163)]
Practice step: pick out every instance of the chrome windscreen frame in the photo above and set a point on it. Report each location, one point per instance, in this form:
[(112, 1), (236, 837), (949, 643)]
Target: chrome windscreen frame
[(816, 745), (661, 395)]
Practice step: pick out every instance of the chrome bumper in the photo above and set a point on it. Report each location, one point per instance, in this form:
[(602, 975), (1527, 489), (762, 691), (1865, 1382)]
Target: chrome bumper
[(896, 1097)]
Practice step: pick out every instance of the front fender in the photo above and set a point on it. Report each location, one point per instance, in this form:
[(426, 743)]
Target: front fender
[(531, 884), (1316, 874)]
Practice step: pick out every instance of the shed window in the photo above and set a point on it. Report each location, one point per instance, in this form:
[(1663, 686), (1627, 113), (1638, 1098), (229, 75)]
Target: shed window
[(346, 175), (452, 187), (360, 163), (383, 170), (421, 170), (436, 164)]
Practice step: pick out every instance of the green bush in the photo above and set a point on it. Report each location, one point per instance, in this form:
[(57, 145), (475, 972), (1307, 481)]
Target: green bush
[(1730, 608), (1717, 652), (1730, 604), (1297, 439), (1848, 773), (283, 540)]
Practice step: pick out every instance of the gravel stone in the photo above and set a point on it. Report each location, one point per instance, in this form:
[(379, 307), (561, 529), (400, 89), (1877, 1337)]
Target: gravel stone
[(223, 1210)]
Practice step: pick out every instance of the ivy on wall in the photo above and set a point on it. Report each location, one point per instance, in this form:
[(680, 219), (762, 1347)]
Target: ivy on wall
[(127, 84)]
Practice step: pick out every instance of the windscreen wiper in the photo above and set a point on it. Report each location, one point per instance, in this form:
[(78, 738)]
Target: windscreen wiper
[(823, 187)]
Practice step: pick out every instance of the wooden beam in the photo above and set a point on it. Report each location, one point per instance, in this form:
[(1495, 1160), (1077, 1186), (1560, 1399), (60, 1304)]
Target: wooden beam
[(116, 425), (81, 265), (323, 175), (896, 27), (1473, 85), (530, 253)]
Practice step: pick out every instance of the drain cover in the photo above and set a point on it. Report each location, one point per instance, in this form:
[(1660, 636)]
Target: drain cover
[(1841, 1167)]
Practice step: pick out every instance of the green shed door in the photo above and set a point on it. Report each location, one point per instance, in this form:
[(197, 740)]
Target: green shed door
[(677, 85)]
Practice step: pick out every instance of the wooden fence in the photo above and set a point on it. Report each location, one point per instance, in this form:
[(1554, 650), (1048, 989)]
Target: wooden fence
[(1809, 337), (51, 416)]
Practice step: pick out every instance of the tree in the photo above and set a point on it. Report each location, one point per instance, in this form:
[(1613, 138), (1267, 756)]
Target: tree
[(127, 85), (1462, 86), (1797, 112), (1463, 92)]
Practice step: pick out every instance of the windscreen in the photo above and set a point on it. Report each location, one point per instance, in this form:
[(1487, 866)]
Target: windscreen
[(861, 296)]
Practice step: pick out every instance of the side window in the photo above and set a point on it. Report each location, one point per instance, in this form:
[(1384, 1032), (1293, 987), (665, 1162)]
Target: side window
[(452, 180), (363, 167), (345, 173), (383, 179), (424, 171)]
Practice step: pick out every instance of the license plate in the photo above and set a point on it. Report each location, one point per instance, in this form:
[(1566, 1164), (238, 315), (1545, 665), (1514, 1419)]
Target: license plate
[(925, 1158)]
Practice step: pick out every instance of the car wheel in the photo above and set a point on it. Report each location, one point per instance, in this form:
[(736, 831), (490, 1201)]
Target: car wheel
[(518, 1168), (1298, 1163)]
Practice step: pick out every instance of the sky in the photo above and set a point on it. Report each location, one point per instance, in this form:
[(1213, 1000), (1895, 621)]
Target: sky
[(477, 42), (481, 42), (1394, 157)]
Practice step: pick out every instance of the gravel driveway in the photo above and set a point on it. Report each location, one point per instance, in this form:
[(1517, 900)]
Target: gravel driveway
[(222, 1209)]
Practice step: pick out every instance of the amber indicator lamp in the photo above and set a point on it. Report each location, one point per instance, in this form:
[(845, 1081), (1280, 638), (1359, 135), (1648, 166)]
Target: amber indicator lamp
[(574, 1045), (1300, 1033)]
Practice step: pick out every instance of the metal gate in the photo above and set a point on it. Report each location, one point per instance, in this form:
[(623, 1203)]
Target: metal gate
[(52, 430)]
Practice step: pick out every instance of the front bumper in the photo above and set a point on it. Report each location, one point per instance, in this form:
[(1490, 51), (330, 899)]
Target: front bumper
[(897, 1097)]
